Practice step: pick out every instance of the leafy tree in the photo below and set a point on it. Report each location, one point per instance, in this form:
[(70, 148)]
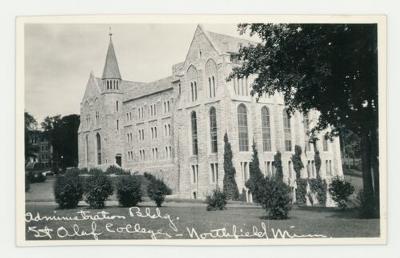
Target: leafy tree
[(230, 188), (317, 160), (63, 135), (313, 64), (255, 175), (30, 127)]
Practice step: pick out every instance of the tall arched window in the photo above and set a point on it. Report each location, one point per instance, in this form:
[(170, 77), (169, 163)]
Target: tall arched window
[(195, 149), (243, 128), (87, 149), (325, 143), (287, 131), (98, 144), (213, 130), (266, 129)]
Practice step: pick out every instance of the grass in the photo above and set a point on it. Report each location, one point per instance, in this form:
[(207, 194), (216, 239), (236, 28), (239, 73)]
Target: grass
[(306, 220)]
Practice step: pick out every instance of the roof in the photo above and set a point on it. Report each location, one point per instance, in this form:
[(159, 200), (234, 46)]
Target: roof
[(111, 69), (225, 43), (135, 90)]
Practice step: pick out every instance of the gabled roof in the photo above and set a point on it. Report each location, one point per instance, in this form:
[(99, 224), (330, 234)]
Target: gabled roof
[(92, 87), (139, 90), (111, 69), (226, 43)]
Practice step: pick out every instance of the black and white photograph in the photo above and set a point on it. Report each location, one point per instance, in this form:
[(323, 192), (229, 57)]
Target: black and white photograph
[(217, 130)]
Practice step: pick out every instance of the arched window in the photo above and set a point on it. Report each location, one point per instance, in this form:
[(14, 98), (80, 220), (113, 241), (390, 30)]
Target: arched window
[(243, 128), (213, 130), (87, 149), (287, 131), (325, 143), (306, 123), (195, 149), (98, 144), (266, 129)]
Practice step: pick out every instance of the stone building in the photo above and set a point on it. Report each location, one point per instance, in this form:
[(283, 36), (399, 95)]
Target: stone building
[(174, 127)]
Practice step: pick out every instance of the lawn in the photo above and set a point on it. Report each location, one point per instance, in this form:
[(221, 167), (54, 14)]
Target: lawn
[(186, 218)]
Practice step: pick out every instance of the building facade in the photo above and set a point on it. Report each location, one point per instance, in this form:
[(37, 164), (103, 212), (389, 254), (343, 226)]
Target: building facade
[(174, 127)]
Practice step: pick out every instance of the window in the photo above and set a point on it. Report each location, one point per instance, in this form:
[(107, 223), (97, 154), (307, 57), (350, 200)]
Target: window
[(98, 145), (87, 148), (116, 106), (287, 131), (307, 143), (213, 130), (214, 172), (325, 143), (195, 173), (245, 171), (266, 129), (195, 149), (117, 124), (242, 128)]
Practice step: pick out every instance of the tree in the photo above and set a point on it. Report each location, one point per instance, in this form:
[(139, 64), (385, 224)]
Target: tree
[(63, 136), (230, 188), (297, 162), (30, 127), (313, 64), (278, 166), (256, 175)]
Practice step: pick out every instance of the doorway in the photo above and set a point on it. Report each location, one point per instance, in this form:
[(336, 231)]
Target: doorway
[(118, 160)]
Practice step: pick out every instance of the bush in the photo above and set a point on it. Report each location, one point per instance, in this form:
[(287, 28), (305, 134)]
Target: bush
[(297, 162), (319, 186), (216, 201), (278, 166), (340, 191), (128, 191), (301, 191), (36, 177), (157, 189), (275, 198), (116, 171), (98, 187), (68, 189)]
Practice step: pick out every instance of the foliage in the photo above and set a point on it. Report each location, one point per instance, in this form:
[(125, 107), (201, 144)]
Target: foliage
[(297, 162), (30, 126), (68, 189), (278, 166), (98, 187), (114, 170), (319, 186), (366, 207), (156, 189), (340, 191), (317, 160), (301, 190), (36, 177), (216, 201), (229, 183), (128, 190), (255, 175), (27, 183), (311, 64), (62, 130), (275, 198)]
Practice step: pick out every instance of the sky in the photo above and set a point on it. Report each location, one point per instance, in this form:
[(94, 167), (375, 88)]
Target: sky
[(60, 57)]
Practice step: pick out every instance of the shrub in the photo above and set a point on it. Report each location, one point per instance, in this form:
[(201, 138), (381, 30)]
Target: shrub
[(297, 162), (230, 187), (68, 189), (340, 191), (157, 189), (278, 166), (128, 191), (116, 171), (275, 198), (216, 201), (317, 160), (255, 174), (301, 190), (319, 186), (36, 177), (98, 187)]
